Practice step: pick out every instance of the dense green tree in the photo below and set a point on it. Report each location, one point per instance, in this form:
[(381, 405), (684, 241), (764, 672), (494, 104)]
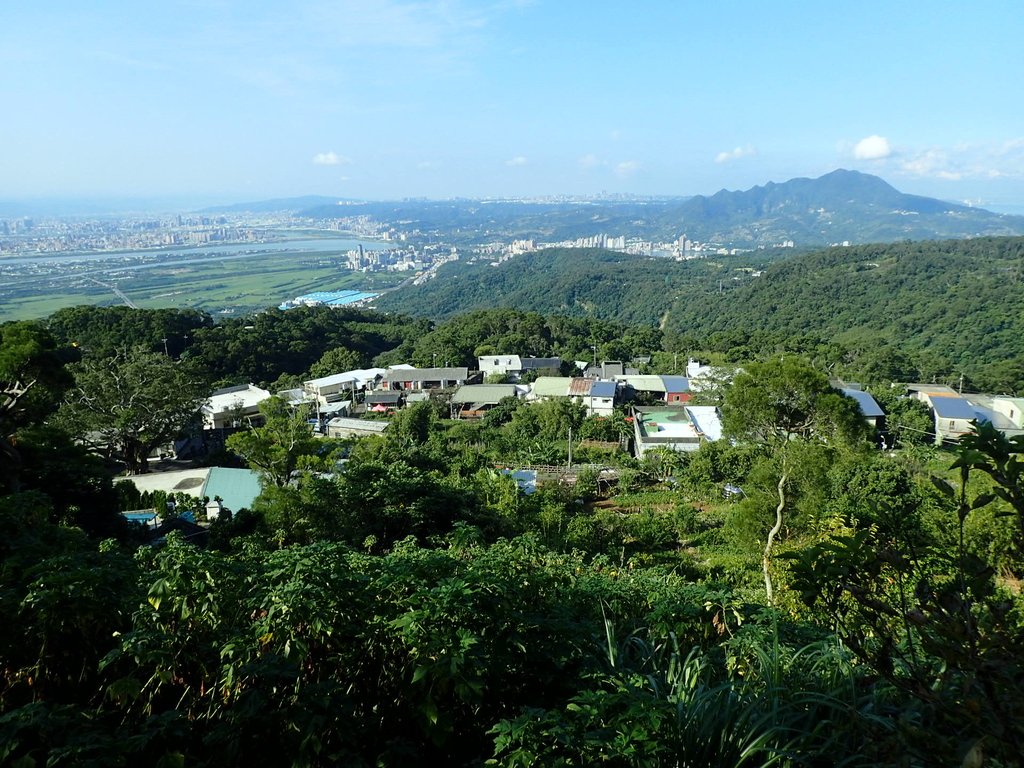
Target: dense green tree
[(103, 330), (32, 380), (927, 616), (907, 311), (132, 402), (907, 419), (305, 512), (260, 348), (337, 360), (281, 445), (781, 401)]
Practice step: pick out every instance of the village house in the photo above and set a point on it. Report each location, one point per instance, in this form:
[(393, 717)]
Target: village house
[(952, 413), (516, 366), (869, 407), (343, 386), (600, 399), (415, 379), (677, 429), (233, 406), (472, 401), (1004, 413), (548, 388), (382, 402)]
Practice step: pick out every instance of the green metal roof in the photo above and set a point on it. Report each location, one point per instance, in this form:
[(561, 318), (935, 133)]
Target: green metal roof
[(237, 487), (551, 386)]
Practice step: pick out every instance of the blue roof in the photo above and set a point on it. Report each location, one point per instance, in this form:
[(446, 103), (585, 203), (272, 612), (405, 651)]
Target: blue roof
[(602, 389), (952, 407), (868, 405), (676, 383), (330, 298), (981, 413)]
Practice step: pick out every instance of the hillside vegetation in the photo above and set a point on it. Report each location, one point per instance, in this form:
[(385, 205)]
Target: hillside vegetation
[(396, 599), (948, 302), (577, 282), (928, 310)]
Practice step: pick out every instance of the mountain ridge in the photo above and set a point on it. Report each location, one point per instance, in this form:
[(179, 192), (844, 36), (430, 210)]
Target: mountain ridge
[(842, 206)]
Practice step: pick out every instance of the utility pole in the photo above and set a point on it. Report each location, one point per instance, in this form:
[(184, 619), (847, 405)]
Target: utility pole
[(960, 389), (165, 348), (570, 447)]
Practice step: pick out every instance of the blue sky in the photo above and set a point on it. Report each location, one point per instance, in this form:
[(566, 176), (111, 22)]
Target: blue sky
[(226, 100)]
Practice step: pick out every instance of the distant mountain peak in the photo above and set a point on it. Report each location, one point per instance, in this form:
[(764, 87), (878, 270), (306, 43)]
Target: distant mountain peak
[(840, 206)]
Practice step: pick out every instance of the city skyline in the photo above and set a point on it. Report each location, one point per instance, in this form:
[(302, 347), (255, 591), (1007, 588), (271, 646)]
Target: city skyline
[(230, 101)]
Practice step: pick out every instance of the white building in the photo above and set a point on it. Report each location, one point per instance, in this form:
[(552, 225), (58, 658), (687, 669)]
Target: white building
[(677, 429), (232, 406), (341, 386)]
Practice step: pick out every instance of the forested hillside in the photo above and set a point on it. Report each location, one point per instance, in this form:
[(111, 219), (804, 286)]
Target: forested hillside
[(580, 282), (926, 310), (954, 303)]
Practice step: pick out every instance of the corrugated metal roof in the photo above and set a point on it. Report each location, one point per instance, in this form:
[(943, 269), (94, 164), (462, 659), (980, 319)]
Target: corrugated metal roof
[(868, 405), (341, 405), (483, 393), (536, 363), (359, 425), (238, 488), (579, 387), (387, 398), (550, 386), (359, 376), (644, 383), (952, 407)]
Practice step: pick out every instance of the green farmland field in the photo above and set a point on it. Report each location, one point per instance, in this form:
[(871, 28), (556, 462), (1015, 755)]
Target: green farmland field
[(228, 286)]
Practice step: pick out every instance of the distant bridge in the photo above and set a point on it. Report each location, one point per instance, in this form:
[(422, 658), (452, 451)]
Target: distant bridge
[(117, 291)]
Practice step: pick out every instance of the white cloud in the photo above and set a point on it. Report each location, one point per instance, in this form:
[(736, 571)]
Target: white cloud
[(330, 158), (736, 154), (627, 168), (427, 165), (590, 161), (930, 162), (514, 162), (873, 147)]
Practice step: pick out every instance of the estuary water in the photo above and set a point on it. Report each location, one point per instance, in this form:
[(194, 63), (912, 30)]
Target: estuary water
[(209, 252)]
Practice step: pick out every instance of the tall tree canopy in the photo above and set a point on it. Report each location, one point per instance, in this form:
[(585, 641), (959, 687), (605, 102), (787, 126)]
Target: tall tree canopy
[(785, 402), (32, 379), (283, 444), (133, 402), (784, 399)]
